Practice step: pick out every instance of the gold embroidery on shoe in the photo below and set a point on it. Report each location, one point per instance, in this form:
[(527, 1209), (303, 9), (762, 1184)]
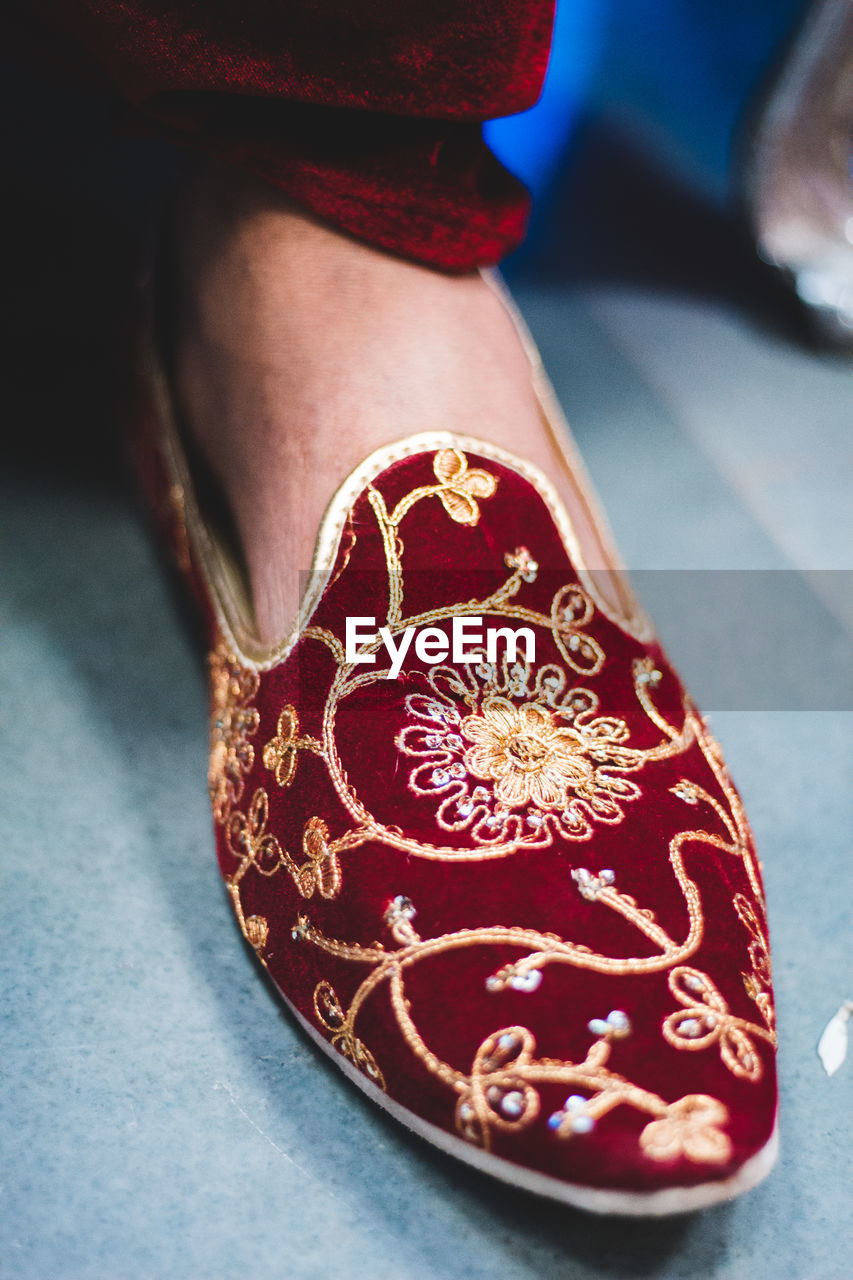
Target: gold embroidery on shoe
[(500, 1092), (453, 688), (759, 981), (321, 869), (233, 721), (252, 845), (523, 752), (331, 1015), (249, 840), (399, 915), (541, 949), (740, 844), (459, 488), (257, 931), (540, 748), (572, 609), (280, 753), (687, 1127), (522, 562), (501, 1095), (705, 1021), (691, 1129), (524, 747)]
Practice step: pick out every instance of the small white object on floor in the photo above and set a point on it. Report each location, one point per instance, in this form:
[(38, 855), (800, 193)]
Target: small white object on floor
[(832, 1046)]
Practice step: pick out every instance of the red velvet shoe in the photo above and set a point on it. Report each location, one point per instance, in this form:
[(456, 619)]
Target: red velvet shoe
[(514, 897)]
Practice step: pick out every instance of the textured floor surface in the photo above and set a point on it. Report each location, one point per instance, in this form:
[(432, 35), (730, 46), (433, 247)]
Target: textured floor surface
[(161, 1115)]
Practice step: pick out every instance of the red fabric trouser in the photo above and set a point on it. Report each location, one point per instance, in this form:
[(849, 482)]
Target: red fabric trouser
[(366, 112)]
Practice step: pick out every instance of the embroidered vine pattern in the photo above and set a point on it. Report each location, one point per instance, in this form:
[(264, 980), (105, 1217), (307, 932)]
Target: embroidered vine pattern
[(500, 1092), (497, 1096), (332, 1017), (691, 1125), (514, 757), (758, 980), (459, 488), (255, 847)]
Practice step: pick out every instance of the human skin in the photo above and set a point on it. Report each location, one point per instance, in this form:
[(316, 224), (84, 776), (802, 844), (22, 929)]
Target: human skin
[(300, 350)]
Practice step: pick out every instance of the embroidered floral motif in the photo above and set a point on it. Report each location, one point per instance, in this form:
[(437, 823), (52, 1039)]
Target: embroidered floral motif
[(249, 839), (321, 869), (537, 748), (458, 489), (281, 752), (759, 952), (233, 721), (690, 1129), (705, 1020), (399, 915), (523, 752), (501, 1095), (572, 611), (523, 563), (461, 485), (250, 842)]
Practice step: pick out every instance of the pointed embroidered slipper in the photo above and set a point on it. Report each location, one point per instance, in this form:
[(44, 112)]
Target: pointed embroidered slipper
[(515, 896)]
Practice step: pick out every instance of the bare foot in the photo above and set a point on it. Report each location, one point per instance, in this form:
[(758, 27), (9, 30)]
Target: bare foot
[(301, 350)]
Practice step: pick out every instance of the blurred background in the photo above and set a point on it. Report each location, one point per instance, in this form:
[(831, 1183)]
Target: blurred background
[(628, 153), (675, 76)]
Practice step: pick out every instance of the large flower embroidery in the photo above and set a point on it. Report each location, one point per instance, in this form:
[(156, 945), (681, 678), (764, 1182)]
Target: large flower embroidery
[(523, 758), (525, 754), (690, 1128)]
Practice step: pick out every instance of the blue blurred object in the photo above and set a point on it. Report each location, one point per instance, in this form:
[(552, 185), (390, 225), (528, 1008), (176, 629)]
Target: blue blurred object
[(531, 143), (683, 70), (689, 70)]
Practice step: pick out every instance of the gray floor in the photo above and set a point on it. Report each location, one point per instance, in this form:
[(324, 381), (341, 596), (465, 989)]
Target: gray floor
[(162, 1116)]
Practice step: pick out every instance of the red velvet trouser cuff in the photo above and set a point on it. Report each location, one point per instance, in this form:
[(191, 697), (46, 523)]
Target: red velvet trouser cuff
[(366, 112)]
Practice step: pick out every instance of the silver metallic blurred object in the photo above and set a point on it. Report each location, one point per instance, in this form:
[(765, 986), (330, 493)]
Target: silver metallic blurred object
[(800, 169)]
